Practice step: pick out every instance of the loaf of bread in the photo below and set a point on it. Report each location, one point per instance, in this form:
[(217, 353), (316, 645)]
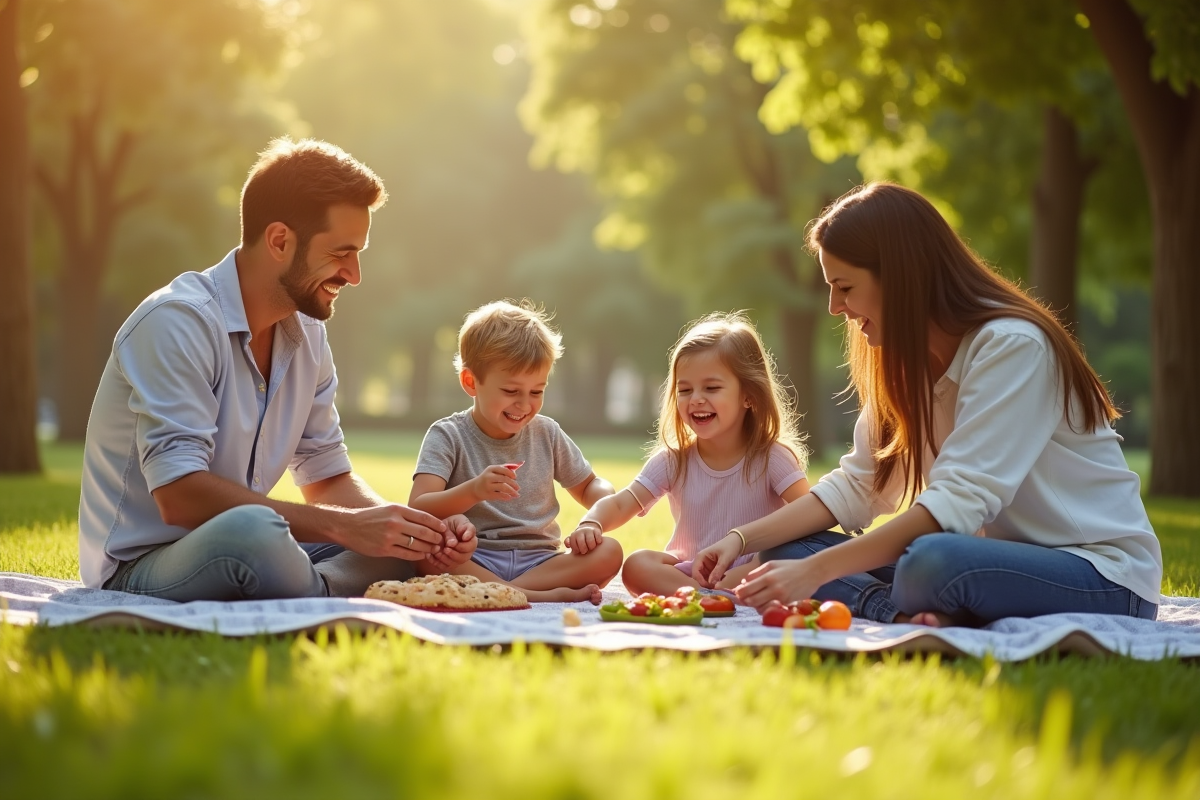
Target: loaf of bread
[(449, 593)]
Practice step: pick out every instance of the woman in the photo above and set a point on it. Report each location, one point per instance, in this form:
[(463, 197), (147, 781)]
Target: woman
[(976, 405)]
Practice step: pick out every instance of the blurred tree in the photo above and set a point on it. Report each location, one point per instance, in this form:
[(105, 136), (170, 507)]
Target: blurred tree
[(18, 383), (428, 100), (648, 99), (1155, 61), (132, 97), (426, 103), (603, 305), (870, 75)]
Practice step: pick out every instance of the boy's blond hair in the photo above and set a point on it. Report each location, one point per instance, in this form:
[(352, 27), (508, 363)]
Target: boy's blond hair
[(507, 335)]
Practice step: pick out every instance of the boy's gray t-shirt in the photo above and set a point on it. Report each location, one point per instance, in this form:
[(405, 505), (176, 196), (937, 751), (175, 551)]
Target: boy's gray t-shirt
[(456, 449)]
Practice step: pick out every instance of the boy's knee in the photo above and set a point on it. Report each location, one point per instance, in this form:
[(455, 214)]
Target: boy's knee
[(610, 553)]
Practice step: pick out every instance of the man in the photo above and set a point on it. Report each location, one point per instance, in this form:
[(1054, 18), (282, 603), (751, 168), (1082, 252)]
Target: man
[(219, 382)]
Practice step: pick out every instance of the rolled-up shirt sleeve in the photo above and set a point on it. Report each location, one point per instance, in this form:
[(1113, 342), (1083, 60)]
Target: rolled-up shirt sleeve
[(1009, 404), (849, 491), (170, 361), (321, 452)]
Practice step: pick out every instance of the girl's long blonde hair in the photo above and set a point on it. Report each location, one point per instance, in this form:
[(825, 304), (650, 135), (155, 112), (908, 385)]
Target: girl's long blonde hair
[(926, 274), (771, 417)]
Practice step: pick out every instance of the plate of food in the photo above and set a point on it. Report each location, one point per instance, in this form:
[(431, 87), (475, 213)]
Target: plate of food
[(449, 593), (686, 607)]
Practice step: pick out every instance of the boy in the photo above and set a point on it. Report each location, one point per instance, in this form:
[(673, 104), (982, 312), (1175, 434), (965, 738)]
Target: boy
[(469, 463)]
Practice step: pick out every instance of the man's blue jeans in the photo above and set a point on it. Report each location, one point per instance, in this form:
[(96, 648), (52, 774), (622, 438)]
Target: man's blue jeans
[(248, 553), (971, 579)]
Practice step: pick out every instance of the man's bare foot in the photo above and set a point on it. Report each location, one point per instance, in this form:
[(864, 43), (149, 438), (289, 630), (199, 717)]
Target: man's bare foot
[(931, 619), (591, 593)]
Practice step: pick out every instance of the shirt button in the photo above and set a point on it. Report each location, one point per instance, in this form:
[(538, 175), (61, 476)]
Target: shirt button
[(262, 387), (255, 480)]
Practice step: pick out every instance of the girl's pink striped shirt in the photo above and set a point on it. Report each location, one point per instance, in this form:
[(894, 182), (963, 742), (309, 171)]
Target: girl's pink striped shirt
[(711, 502)]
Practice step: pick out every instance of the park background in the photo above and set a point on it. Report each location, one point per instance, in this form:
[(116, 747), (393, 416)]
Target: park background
[(631, 164)]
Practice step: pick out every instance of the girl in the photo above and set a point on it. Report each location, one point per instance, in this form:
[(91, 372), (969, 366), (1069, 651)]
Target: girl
[(979, 406), (728, 453)]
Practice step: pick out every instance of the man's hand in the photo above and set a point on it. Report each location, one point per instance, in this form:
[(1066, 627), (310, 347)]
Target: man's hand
[(497, 482), (586, 537), (460, 543), (393, 530)]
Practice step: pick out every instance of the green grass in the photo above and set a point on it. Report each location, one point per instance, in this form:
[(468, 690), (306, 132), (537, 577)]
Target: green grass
[(108, 713)]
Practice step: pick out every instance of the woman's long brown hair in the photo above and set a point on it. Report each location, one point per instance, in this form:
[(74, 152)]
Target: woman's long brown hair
[(928, 274)]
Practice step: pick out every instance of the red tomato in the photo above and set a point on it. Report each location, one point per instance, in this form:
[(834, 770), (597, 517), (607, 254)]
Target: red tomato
[(775, 615), (794, 620), (638, 609), (806, 607), (647, 596), (675, 603), (834, 616), (685, 592), (716, 602)]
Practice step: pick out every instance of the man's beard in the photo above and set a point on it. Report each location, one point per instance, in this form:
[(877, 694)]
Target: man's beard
[(296, 283)]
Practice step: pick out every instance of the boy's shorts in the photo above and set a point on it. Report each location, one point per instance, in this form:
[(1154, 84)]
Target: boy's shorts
[(508, 564)]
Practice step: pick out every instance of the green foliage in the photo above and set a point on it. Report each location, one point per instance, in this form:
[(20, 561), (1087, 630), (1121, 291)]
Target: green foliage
[(428, 101), (650, 101), (1173, 28), (937, 97), (117, 713), (186, 82)]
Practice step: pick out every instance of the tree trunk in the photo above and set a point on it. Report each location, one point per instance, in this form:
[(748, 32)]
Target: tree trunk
[(1166, 127), (798, 359), (88, 208), (1057, 207), (18, 379), (80, 362)]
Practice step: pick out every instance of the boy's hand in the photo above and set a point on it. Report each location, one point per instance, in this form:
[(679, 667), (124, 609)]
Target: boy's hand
[(459, 544), (586, 537), (497, 482)]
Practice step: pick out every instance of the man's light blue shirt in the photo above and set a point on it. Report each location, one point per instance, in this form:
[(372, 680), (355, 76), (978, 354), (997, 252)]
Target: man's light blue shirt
[(181, 394)]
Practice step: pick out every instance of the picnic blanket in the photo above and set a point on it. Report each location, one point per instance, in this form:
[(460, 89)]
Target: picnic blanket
[(27, 599)]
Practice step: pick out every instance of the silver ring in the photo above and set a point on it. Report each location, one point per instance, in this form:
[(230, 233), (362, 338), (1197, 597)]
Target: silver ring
[(410, 541)]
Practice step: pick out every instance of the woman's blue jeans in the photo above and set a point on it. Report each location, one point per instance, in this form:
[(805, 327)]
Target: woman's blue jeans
[(249, 553), (972, 580)]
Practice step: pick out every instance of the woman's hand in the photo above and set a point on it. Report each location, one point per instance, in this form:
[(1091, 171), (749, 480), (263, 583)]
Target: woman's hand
[(779, 581), (710, 564)]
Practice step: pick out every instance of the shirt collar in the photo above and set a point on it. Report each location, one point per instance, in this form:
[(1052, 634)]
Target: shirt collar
[(955, 370), (229, 294)]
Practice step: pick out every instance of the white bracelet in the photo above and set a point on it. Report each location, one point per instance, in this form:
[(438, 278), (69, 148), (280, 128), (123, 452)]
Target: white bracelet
[(741, 536)]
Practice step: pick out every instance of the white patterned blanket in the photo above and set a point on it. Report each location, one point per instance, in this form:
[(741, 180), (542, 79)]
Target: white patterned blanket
[(27, 599)]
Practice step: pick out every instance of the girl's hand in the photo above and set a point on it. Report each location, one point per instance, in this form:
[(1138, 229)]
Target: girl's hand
[(586, 537), (497, 482), (710, 564), (778, 581), (460, 543)]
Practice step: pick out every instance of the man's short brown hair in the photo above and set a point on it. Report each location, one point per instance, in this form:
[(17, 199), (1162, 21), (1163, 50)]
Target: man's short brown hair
[(507, 335), (297, 182)]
